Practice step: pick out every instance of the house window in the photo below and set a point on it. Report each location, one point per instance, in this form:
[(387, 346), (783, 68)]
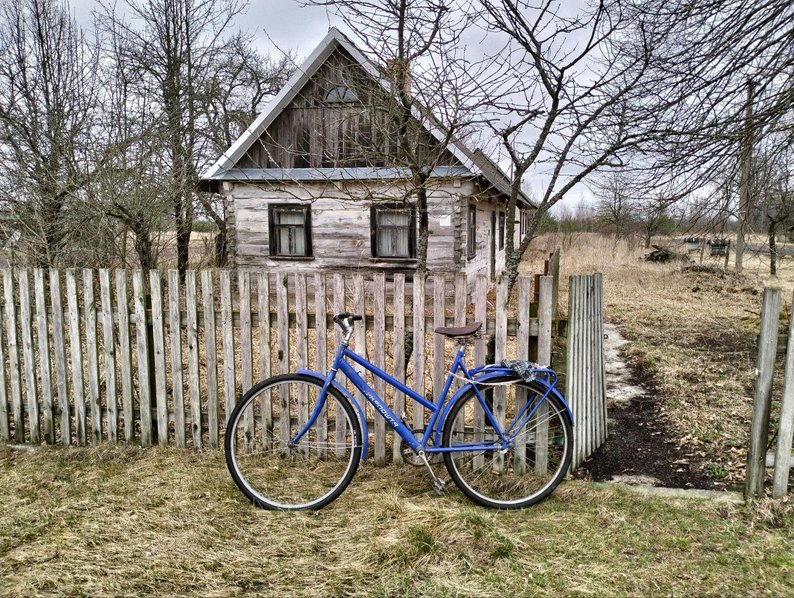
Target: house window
[(393, 232), (502, 225), (471, 239), (290, 230)]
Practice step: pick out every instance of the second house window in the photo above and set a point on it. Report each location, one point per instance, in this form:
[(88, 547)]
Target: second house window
[(393, 232), (290, 231)]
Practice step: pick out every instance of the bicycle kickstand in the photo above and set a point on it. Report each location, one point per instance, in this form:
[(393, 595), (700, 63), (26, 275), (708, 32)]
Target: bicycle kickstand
[(438, 483)]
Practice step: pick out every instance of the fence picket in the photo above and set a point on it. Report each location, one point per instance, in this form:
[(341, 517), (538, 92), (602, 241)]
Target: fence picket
[(282, 340), (398, 359), (193, 373), (439, 317), (480, 300), (158, 336), (545, 309), (419, 349), (359, 329), (13, 355), (59, 356), (25, 321), (43, 351), (77, 357), (379, 359), (92, 357), (321, 359), (125, 356), (141, 342), (5, 431), (522, 353), (302, 347), (263, 301), (211, 361), (340, 425), (175, 336), (109, 348), (227, 330), (500, 353), (246, 349)]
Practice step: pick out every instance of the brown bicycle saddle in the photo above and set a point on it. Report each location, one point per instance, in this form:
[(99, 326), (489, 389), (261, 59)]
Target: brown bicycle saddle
[(462, 331)]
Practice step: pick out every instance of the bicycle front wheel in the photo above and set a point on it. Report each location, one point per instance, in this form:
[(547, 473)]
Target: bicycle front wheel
[(539, 447), (272, 469)]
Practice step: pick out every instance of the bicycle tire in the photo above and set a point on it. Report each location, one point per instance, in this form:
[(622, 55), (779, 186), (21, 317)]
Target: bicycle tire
[(526, 473), (308, 476)]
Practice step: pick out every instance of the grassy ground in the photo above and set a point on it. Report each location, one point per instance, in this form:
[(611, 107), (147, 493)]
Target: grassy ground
[(118, 521), (693, 338)]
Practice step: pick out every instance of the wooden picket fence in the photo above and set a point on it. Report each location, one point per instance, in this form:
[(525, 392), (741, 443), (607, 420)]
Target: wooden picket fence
[(782, 459), (585, 387)]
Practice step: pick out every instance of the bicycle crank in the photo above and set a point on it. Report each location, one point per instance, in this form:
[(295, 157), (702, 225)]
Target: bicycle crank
[(438, 483)]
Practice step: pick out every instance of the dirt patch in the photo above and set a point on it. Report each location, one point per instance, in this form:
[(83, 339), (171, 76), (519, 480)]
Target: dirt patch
[(641, 447)]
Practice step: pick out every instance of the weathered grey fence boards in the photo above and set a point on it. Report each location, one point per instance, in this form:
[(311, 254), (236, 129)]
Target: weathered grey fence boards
[(586, 382), (138, 356), (757, 457)]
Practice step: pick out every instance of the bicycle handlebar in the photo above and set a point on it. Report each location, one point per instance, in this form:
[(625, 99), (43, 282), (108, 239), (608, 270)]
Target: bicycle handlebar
[(344, 319)]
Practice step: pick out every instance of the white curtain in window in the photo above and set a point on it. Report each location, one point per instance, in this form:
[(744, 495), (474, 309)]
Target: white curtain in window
[(291, 232), (393, 237)]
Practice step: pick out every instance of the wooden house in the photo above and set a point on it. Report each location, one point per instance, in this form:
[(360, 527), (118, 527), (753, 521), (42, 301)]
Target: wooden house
[(315, 181)]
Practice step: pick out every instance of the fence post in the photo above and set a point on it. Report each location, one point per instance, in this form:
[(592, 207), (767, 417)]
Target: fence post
[(767, 348), (786, 429)]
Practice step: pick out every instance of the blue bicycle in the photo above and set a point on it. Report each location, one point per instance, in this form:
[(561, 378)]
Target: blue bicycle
[(295, 441)]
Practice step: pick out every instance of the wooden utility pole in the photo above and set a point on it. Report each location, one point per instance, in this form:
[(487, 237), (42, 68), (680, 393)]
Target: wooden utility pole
[(746, 163)]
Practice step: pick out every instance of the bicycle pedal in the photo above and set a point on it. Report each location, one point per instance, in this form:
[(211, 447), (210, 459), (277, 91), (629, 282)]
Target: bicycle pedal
[(438, 486)]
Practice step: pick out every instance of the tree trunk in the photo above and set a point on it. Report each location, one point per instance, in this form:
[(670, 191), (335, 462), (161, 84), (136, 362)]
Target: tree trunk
[(772, 248), (422, 234)]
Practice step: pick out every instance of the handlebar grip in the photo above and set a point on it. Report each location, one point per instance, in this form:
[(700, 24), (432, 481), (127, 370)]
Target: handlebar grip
[(358, 318)]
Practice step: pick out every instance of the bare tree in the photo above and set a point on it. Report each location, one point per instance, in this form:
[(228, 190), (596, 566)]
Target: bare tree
[(616, 203), (48, 116)]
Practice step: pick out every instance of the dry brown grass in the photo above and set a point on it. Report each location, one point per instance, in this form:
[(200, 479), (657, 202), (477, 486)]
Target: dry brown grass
[(693, 337), (116, 521)]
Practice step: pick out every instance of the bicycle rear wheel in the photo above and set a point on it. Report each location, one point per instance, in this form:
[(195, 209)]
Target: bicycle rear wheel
[(539, 452), (309, 475)]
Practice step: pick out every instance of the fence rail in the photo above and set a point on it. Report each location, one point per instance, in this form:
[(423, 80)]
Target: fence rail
[(95, 356)]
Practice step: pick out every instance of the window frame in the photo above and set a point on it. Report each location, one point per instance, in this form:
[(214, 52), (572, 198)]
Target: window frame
[(373, 230), (502, 229), (471, 232), (272, 230)]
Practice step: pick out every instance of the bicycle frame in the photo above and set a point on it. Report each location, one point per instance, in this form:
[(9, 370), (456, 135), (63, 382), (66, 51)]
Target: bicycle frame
[(439, 410)]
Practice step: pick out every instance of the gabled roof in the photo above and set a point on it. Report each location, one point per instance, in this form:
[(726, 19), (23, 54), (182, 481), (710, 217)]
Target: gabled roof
[(475, 162)]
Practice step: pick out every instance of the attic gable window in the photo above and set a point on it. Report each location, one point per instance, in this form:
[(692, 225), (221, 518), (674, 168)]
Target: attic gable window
[(290, 231), (341, 94)]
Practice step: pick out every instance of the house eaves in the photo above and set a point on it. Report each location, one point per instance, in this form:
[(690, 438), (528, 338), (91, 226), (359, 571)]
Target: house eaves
[(304, 175)]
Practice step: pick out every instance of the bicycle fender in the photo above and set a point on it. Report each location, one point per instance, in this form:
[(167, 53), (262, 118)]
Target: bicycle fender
[(484, 378), (361, 417)]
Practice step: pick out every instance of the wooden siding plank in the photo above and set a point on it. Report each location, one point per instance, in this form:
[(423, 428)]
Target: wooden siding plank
[(398, 359), (77, 357), (379, 359), (125, 356), (193, 371), (43, 351), (59, 357), (109, 353), (211, 362), (175, 337), (26, 329), (158, 336)]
